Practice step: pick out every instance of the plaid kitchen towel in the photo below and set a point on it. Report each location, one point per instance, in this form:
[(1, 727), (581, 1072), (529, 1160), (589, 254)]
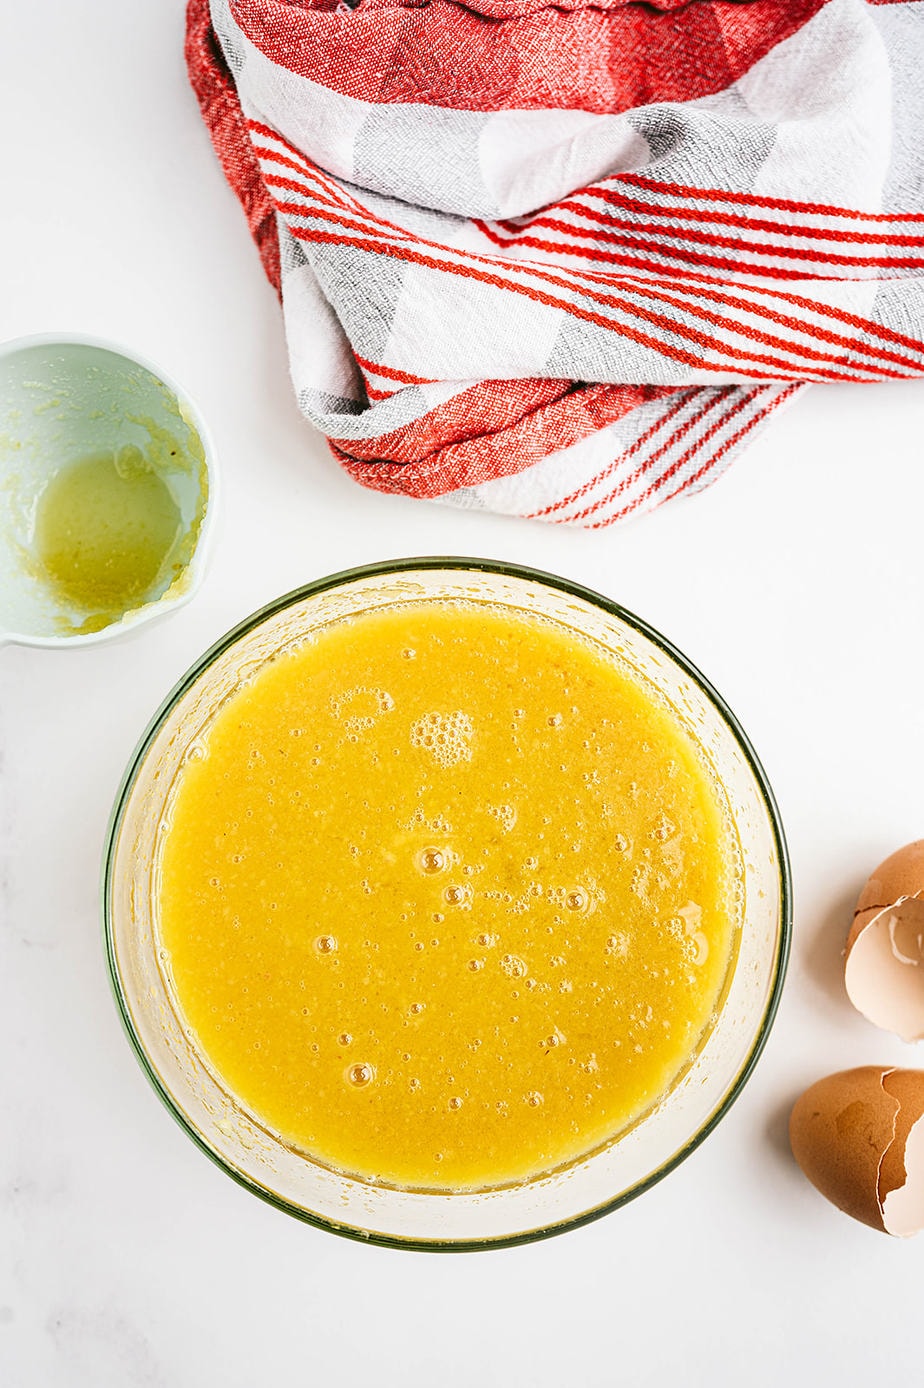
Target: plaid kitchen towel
[(562, 260)]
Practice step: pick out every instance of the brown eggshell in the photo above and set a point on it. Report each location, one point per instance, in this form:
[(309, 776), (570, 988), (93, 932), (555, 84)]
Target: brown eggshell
[(838, 1131), (901, 1175), (859, 1138), (901, 874), (884, 967)]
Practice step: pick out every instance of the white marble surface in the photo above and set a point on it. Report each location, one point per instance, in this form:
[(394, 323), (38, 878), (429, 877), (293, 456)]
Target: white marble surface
[(126, 1258)]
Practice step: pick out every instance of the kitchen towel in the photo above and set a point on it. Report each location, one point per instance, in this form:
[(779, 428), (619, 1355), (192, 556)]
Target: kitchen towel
[(562, 261)]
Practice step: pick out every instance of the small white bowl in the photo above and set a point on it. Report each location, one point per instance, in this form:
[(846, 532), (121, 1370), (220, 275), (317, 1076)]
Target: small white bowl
[(63, 398)]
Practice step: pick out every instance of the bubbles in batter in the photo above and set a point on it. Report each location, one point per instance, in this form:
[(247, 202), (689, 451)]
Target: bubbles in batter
[(370, 705), (432, 860), (446, 736), (361, 1075)]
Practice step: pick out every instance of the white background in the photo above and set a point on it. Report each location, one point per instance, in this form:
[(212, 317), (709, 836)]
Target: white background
[(795, 583)]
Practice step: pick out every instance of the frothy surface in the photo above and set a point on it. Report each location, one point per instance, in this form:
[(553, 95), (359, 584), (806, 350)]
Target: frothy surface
[(449, 898)]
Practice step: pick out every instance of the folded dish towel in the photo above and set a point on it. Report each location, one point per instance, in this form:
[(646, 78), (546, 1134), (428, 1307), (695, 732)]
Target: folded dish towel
[(562, 260)]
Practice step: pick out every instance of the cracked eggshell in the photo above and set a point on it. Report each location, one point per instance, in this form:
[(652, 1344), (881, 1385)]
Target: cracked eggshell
[(884, 966), (859, 1138)]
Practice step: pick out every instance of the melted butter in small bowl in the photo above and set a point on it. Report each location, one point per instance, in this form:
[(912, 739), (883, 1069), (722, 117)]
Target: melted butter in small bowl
[(106, 491)]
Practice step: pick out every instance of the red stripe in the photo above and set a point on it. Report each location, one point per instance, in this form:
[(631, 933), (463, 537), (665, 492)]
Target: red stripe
[(682, 397), (818, 209), (716, 402), (652, 290), (795, 349), (699, 282), (471, 270), (468, 270), (266, 152), (797, 325), (392, 374), (709, 463), (305, 168), (710, 238), (575, 205), (623, 305), (801, 325), (728, 263), (319, 192), (810, 329), (742, 404), (714, 218), (697, 279)]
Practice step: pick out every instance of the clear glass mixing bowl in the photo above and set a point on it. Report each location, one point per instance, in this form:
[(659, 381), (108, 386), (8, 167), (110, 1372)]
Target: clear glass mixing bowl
[(252, 1153)]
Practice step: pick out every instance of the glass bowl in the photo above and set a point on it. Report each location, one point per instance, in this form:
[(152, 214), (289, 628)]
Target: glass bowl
[(250, 1151)]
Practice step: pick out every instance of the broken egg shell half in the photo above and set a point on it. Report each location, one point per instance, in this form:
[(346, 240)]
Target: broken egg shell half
[(859, 1138), (884, 966)]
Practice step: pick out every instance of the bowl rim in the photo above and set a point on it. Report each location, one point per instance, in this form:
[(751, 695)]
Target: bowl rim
[(573, 589)]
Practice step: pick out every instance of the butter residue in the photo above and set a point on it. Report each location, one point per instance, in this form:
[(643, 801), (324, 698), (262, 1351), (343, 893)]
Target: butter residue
[(110, 536)]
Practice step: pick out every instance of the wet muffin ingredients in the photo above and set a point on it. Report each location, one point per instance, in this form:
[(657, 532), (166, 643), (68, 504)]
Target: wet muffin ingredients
[(447, 896)]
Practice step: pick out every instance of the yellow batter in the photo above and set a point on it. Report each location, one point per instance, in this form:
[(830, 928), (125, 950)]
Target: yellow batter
[(448, 901)]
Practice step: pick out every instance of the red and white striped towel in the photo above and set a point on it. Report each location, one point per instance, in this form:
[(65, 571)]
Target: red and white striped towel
[(561, 261)]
